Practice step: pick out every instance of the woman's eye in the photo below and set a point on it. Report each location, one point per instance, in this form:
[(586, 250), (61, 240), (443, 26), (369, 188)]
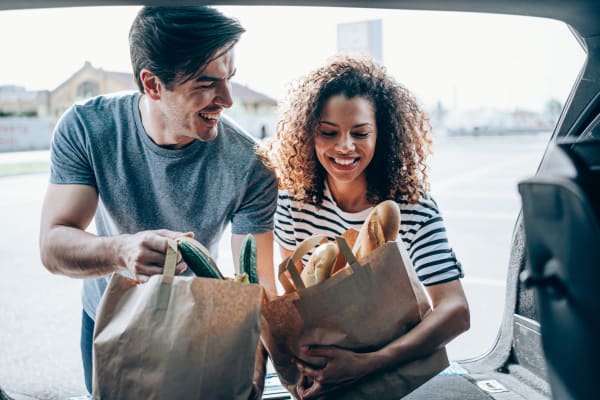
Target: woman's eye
[(360, 134), (328, 133)]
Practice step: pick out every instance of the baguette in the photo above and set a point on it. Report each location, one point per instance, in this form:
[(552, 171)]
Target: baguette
[(382, 225), (320, 264), (326, 256)]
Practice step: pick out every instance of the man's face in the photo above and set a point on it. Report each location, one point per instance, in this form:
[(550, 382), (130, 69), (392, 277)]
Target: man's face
[(191, 110)]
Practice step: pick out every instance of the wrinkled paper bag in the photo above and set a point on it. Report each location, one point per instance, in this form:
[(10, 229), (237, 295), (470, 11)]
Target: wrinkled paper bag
[(362, 307), (176, 337)]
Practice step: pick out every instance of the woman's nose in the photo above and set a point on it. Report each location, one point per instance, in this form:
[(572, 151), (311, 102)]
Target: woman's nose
[(345, 143)]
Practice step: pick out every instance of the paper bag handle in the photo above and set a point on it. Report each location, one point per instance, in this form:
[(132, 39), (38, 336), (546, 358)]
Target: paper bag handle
[(170, 259), (347, 253), (301, 250)]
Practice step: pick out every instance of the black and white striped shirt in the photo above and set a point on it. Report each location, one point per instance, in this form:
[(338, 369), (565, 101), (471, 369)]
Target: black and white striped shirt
[(421, 230)]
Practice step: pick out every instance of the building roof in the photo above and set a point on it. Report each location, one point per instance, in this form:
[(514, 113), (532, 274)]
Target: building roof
[(247, 95), (242, 93)]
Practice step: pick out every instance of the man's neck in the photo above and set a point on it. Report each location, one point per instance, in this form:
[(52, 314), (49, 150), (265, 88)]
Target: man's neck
[(154, 124), (149, 120)]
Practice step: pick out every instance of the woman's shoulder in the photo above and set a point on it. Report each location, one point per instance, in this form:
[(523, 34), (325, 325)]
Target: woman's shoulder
[(425, 206), (287, 199), (284, 196), (328, 210)]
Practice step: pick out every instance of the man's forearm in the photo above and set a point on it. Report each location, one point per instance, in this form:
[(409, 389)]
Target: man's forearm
[(73, 252)]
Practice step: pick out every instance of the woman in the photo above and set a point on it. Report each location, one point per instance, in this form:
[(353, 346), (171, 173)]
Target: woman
[(349, 138)]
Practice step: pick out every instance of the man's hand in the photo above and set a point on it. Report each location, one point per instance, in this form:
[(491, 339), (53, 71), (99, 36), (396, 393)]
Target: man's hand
[(143, 253), (66, 247)]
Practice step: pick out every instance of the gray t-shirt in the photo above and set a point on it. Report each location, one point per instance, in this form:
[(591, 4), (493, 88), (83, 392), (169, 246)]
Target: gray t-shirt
[(201, 187)]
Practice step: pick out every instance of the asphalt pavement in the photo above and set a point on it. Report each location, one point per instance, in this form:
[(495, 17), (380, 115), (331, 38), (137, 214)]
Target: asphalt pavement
[(473, 180)]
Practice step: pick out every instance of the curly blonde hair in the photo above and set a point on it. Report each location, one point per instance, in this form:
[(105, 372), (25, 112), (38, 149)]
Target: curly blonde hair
[(397, 171)]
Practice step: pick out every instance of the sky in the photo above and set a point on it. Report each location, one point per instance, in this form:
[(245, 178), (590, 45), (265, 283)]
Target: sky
[(463, 60)]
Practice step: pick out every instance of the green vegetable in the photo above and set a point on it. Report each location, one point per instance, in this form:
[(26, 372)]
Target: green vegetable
[(248, 258), (197, 258), (241, 278)]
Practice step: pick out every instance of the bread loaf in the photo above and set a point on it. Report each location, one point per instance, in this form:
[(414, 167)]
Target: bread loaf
[(382, 225), (320, 264)]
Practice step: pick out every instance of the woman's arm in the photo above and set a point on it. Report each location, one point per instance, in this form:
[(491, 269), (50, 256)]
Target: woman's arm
[(449, 318)]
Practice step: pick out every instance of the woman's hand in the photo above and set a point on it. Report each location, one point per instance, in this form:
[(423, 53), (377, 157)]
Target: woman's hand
[(341, 367)]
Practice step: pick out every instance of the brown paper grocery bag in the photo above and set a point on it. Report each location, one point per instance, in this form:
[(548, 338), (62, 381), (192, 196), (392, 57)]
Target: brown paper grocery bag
[(362, 307), (176, 337)]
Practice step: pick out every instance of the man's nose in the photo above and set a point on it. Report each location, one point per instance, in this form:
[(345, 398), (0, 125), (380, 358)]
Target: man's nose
[(223, 96)]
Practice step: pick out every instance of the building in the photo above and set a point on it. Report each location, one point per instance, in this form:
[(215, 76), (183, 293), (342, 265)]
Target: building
[(363, 37), (17, 101), (87, 82), (254, 110), (27, 118)]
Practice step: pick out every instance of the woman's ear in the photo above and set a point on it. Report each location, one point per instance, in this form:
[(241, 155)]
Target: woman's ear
[(152, 85)]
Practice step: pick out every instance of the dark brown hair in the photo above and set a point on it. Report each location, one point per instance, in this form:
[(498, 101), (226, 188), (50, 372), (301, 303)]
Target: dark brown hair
[(175, 43)]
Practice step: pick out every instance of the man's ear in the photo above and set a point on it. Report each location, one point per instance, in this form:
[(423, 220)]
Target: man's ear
[(152, 85)]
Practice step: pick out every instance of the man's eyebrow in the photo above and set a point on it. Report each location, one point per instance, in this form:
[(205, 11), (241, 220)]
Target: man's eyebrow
[(208, 78)]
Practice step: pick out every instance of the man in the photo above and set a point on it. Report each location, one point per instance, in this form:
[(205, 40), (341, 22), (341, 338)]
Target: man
[(157, 164)]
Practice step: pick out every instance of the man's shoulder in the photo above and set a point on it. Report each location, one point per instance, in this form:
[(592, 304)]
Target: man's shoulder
[(235, 132), (105, 103), (242, 148), (96, 118)]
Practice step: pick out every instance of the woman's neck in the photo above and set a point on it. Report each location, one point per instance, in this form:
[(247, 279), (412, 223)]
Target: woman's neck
[(349, 196)]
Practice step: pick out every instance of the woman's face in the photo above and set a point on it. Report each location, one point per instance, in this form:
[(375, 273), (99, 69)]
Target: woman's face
[(346, 137)]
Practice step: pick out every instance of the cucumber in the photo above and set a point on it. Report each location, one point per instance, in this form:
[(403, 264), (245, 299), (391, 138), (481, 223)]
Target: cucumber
[(248, 258), (197, 259)]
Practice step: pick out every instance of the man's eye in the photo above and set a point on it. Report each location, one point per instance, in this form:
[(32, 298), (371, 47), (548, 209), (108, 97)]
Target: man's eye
[(207, 86)]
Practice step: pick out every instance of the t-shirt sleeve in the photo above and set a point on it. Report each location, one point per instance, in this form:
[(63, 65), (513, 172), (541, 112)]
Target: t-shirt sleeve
[(284, 227), (431, 254), (255, 214), (69, 158)]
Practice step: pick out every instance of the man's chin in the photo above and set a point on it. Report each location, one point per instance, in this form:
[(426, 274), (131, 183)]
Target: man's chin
[(207, 136)]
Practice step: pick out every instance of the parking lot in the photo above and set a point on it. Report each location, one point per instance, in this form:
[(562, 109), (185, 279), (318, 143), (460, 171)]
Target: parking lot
[(473, 179)]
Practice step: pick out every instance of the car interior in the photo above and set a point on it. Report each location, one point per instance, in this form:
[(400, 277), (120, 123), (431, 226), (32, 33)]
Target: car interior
[(547, 346)]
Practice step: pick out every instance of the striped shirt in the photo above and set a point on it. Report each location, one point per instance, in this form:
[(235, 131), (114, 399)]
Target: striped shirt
[(422, 232)]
